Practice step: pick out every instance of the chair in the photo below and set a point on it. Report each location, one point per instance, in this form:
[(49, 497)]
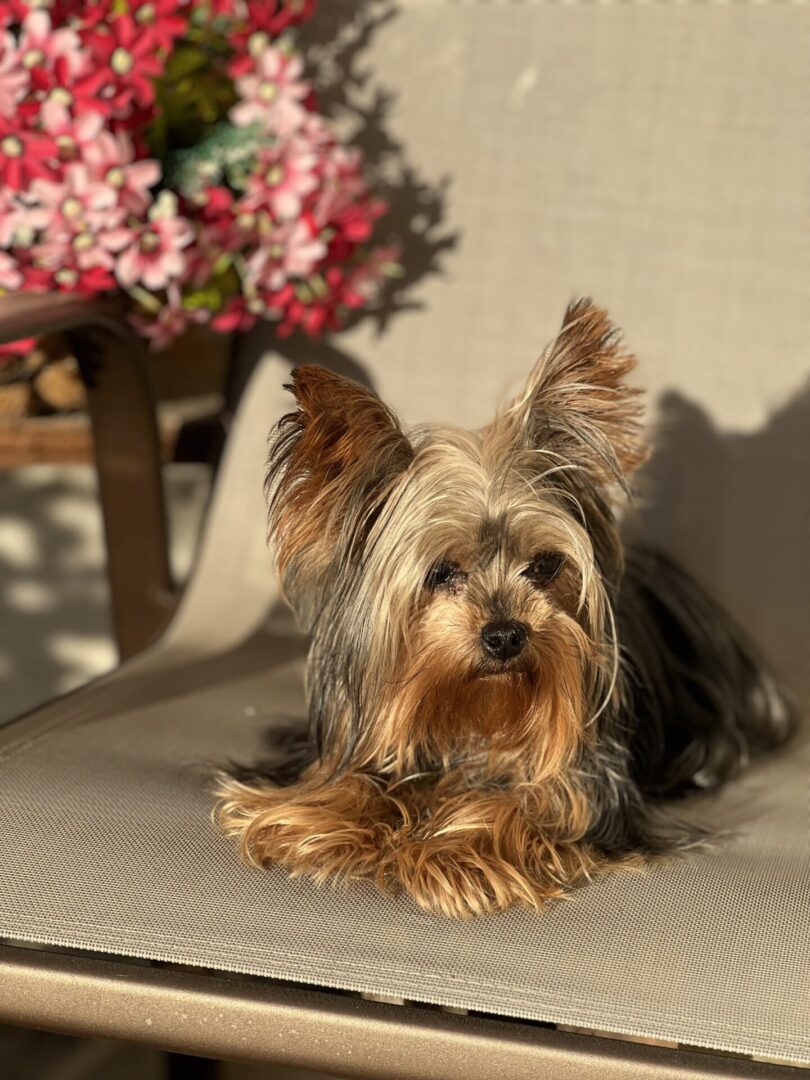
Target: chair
[(151, 930)]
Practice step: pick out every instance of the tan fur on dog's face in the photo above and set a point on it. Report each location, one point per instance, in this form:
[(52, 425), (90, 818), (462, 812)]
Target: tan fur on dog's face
[(470, 505)]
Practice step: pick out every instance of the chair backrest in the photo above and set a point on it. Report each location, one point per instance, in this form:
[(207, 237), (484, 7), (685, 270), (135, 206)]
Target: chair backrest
[(233, 584), (656, 157)]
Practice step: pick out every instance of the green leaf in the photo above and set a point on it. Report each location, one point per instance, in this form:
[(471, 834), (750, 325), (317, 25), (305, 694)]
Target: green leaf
[(194, 93), (219, 288), (226, 152)]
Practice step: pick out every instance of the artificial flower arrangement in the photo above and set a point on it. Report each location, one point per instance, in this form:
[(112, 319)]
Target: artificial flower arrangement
[(173, 151)]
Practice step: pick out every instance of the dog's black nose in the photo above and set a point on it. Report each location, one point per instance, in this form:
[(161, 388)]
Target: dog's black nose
[(505, 639)]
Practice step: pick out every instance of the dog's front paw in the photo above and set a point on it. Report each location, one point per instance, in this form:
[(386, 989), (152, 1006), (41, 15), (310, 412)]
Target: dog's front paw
[(334, 833), (449, 876)]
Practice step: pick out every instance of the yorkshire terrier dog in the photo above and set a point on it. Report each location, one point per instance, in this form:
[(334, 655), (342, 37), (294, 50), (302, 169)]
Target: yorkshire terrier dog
[(500, 693)]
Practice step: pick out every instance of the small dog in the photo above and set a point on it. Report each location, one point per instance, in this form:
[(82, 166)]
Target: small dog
[(500, 693)]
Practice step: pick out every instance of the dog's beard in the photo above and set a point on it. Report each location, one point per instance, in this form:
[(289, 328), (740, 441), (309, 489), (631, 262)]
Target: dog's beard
[(464, 791), (526, 717)]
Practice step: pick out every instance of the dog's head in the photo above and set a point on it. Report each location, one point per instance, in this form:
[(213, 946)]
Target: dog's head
[(457, 585)]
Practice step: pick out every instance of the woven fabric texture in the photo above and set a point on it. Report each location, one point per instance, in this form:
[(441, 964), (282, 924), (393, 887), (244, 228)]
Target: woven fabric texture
[(107, 846)]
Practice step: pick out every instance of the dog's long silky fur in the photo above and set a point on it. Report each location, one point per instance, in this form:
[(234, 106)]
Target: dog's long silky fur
[(469, 784)]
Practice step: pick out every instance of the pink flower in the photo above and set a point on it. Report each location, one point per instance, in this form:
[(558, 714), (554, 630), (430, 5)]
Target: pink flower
[(272, 96), (13, 76), (77, 206), (219, 231), (171, 320), (291, 251), (74, 137), (10, 276), (20, 221), (84, 222), (156, 257), (283, 177), (316, 133), (320, 305), (76, 203), (41, 45), (342, 183), (112, 159)]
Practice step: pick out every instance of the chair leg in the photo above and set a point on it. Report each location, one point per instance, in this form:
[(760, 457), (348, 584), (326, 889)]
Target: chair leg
[(127, 452)]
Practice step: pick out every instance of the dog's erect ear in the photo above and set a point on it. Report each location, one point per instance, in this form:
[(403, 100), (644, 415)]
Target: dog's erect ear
[(331, 464), (576, 406)]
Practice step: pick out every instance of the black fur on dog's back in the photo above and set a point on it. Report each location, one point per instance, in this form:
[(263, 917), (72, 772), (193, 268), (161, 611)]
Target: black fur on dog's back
[(699, 700)]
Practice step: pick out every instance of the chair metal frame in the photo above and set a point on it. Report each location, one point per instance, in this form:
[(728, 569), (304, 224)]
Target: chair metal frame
[(216, 1015), (126, 450)]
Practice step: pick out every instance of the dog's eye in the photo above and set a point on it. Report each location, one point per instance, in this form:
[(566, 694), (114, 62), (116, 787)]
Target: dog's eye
[(442, 573), (544, 567)]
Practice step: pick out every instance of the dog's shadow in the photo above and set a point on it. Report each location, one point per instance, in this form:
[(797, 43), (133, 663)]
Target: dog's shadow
[(735, 510)]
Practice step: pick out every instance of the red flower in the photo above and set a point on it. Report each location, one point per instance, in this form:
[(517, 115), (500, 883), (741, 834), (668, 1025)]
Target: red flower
[(24, 154), (91, 15), (11, 349), (77, 93), (95, 279), (133, 125), (303, 309), (274, 17), (68, 278), (261, 22), (160, 19), (129, 55), (234, 316), (214, 206)]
